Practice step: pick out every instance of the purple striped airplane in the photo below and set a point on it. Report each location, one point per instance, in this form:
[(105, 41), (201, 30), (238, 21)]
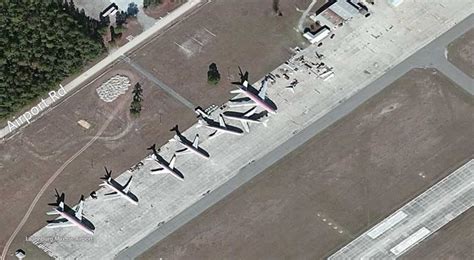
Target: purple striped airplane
[(70, 217), (258, 99)]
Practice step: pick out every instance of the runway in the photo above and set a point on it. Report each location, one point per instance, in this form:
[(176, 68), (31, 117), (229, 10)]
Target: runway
[(416, 220), (432, 55)]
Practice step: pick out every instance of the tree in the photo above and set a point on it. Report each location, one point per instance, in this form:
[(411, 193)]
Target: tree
[(120, 18), (136, 105), (148, 3), (42, 43), (132, 9), (213, 75)]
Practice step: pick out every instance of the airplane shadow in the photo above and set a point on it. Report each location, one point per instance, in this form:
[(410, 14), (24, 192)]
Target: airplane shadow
[(230, 127), (255, 116), (132, 196), (187, 141), (70, 211)]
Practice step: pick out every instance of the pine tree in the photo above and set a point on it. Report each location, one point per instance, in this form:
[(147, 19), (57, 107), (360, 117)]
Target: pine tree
[(213, 75), (136, 105)]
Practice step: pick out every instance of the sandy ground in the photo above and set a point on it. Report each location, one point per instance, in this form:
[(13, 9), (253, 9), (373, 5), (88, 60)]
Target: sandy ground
[(228, 33), (461, 53), (342, 181), (454, 241), (30, 158)]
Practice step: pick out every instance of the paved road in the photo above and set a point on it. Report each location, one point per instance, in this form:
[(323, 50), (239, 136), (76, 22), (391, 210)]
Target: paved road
[(422, 58), (159, 83), (103, 64)]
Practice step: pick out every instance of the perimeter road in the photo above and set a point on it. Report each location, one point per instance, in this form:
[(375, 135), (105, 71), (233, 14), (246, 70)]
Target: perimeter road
[(248, 172)]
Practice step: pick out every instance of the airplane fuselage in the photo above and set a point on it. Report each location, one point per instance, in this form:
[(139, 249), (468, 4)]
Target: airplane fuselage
[(243, 119), (120, 192), (167, 169), (75, 221), (225, 130), (260, 102), (192, 148)]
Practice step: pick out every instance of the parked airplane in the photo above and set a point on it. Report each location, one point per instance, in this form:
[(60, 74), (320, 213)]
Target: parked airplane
[(165, 166), (70, 217), (219, 128), (245, 118), (119, 191), (188, 146), (258, 98)]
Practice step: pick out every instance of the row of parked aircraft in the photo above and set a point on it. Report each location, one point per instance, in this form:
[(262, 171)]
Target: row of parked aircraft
[(257, 99)]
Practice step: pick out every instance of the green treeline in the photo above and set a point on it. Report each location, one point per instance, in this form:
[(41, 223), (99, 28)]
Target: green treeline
[(41, 43), (148, 3)]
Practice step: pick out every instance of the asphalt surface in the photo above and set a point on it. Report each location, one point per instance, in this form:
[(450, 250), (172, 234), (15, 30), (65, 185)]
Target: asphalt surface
[(426, 214), (428, 56)]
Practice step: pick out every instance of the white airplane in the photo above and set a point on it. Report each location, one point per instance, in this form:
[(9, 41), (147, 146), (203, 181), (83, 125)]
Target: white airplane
[(165, 166), (245, 118), (188, 146), (119, 191), (258, 99), (219, 128), (70, 217)]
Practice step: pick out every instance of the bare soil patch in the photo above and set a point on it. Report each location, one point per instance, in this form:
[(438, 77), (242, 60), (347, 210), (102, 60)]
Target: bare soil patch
[(29, 159), (461, 53)]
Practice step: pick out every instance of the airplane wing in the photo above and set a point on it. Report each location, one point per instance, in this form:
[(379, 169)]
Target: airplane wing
[(215, 133), (183, 151), (78, 210), (173, 160), (110, 193), (126, 188), (236, 91), (263, 90), (112, 196), (221, 121), (158, 170), (196, 141), (246, 126), (250, 112), (53, 212), (59, 223), (241, 104)]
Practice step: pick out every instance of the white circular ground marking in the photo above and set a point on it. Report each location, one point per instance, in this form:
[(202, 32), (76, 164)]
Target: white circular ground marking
[(113, 88)]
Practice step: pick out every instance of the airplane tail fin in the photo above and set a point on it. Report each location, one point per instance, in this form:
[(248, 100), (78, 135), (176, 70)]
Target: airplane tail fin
[(201, 113), (59, 199), (152, 148), (155, 151), (175, 129), (108, 174)]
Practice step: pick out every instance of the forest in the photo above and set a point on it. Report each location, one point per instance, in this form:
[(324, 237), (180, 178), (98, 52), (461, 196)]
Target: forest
[(149, 3), (42, 43)]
